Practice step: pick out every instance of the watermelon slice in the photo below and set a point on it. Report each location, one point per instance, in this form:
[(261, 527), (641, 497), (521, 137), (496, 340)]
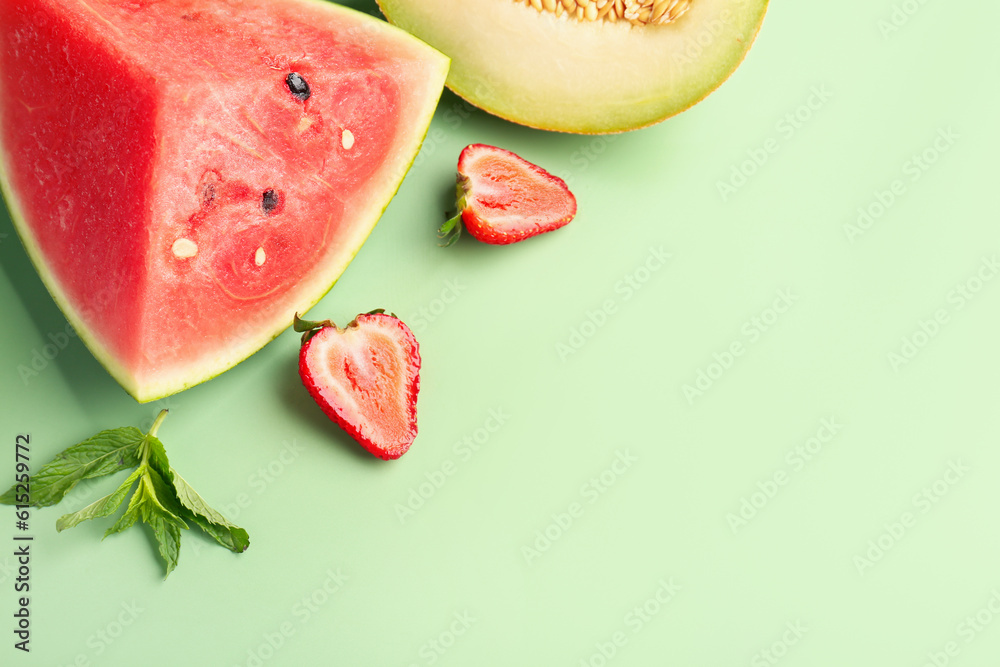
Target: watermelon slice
[(187, 174)]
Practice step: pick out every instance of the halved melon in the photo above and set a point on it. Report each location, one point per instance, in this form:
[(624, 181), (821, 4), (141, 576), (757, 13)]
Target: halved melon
[(585, 70), (187, 174)]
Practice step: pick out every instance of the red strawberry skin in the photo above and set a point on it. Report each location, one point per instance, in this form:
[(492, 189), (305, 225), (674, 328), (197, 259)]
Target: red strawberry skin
[(366, 377), (508, 199)]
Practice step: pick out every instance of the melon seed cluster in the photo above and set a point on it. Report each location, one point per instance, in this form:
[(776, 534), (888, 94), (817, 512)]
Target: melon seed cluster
[(636, 12)]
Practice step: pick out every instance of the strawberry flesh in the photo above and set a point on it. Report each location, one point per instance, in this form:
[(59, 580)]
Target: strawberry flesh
[(366, 377), (503, 198)]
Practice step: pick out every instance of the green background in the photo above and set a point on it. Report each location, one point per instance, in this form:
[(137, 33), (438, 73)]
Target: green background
[(819, 502)]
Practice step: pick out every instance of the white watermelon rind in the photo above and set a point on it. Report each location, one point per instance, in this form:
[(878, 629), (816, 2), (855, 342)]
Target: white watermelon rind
[(185, 377)]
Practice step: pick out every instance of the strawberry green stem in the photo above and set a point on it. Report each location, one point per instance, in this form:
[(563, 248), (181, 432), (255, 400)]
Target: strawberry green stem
[(452, 228), (309, 328), (450, 231), (300, 325)]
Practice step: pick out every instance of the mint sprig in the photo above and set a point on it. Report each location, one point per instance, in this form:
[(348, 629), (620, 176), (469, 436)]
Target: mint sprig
[(162, 499)]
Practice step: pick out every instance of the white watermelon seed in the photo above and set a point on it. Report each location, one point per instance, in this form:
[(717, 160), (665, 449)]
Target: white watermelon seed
[(347, 140), (259, 257), (304, 124), (184, 248)]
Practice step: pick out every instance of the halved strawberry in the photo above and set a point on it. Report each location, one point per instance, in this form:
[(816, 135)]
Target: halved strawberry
[(365, 377), (503, 198)]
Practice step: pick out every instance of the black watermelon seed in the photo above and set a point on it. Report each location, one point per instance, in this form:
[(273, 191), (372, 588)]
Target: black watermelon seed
[(207, 194), (298, 86), (270, 201)]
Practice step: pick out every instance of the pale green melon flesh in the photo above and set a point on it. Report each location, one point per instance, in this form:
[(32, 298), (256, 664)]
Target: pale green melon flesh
[(559, 73)]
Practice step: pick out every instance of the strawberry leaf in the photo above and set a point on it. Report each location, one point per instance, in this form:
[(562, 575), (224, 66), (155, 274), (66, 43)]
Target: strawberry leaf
[(450, 231), (309, 328)]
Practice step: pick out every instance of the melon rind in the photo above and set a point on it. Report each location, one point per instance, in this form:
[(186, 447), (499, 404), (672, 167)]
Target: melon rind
[(587, 77), (260, 333)]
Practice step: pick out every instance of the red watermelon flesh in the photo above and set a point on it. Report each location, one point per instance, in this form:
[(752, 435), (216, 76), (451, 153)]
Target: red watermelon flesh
[(178, 192)]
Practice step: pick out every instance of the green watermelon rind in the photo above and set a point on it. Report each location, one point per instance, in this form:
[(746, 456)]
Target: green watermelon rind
[(153, 392)]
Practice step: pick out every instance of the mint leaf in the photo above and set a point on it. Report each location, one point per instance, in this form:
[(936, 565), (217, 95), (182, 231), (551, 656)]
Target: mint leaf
[(103, 507), (161, 514), (193, 506), (155, 504), (232, 537), (158, 456), (161, 496), (198, 511), (167, 531), (131, 515), (104, 454), (162, 499)]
